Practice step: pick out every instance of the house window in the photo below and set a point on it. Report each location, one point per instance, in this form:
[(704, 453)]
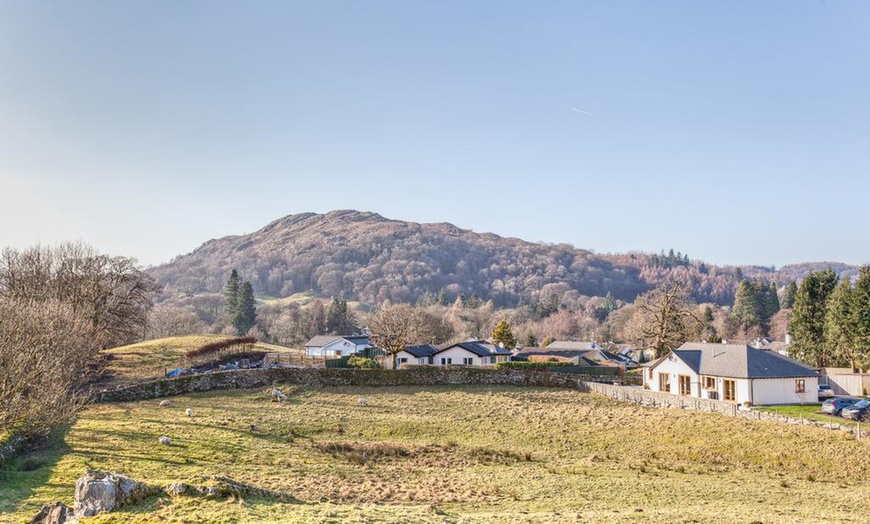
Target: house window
[(446, 361), (421, 360), (685, 384), (467, 361), (800, 386), (729, 389), (710, 383), (665, 382), (403, 361)]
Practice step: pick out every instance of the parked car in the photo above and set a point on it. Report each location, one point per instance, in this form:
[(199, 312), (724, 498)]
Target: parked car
[(833, 406), (857, 411), (825, 391)]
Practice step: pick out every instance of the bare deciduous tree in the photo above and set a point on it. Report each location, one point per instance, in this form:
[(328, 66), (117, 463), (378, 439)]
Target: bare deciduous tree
[(44, 347), (111, 292), (394, 327), (667, 318)]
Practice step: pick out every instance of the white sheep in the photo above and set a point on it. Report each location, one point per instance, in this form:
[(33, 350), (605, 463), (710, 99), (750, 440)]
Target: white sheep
[(188, 412), (165, 403), (362, 402), (166, 441), (278, 395)]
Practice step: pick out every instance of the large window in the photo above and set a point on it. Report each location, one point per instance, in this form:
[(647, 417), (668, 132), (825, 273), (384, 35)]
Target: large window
[(665, 382), (729, 390), (446, 361), (467, 361), (710, 383), (800, 386), (685, 383)]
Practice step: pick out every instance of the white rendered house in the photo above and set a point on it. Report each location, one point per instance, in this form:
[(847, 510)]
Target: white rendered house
[(736, 373)]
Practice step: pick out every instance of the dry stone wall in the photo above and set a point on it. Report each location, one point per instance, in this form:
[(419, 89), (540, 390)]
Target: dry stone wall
[(336, 377)]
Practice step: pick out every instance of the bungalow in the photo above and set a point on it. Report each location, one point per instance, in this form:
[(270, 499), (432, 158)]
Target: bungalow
[(737, 373), (415, 356), (471, 353), (566, 351), (335, 346)]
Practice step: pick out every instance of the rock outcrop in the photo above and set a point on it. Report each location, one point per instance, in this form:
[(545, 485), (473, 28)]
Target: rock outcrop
[(99, 491), (57, 513)]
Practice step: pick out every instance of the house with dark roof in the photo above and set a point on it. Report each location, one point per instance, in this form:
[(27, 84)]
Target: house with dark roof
[(336, 346), (415, 356), (570, 351), (731, 372), (471, 353)]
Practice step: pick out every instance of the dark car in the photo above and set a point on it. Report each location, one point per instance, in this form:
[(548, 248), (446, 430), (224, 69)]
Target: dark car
[(857, 411), (833, 406)]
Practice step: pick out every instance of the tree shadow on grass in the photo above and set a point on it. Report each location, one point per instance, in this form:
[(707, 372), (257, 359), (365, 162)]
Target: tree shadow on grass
[(31, 469)]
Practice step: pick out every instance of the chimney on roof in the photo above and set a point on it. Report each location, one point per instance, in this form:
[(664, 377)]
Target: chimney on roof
[(787, 337)]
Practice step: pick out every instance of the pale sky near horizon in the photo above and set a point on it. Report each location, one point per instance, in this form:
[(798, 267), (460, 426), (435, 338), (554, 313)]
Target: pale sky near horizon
[(737, 132)]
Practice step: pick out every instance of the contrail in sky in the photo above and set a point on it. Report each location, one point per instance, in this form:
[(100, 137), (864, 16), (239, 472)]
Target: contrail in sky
[(581, 111)]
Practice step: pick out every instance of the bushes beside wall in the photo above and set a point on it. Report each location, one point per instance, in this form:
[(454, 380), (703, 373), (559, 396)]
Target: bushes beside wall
[(530, 365)]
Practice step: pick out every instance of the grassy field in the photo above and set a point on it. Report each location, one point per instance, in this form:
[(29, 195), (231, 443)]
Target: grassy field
[(810, 412), (462, 454), (152, 358)]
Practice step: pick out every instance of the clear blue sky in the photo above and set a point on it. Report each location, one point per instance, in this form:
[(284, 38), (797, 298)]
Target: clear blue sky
[(737, 132)]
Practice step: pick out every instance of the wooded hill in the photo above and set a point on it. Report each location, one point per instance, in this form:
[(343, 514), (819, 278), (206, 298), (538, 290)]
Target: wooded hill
[(366, 257)]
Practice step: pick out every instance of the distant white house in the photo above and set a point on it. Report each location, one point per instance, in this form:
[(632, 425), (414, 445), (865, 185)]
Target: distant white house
[(335, 346), (415, 356), (470, 353), (737, 373)]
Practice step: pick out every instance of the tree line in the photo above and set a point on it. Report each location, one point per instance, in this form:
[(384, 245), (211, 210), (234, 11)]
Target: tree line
[(59, 307), (830, 321)]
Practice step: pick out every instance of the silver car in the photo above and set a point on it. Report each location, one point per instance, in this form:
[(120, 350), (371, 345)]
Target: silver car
[(826, 391)]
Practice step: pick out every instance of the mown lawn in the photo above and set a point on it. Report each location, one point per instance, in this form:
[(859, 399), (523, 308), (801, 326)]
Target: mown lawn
[(463, 454), (152, 358), (810, 412)]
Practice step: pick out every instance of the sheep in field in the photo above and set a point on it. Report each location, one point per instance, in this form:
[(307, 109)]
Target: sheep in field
[(188, 412), (166, 441), (362, 402)]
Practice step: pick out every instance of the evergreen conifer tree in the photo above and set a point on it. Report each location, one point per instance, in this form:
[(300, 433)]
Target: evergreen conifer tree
[(231, 293), (246, 317), (788, 295), (503, 335), (808, 318), (839, 329), (860, 314)]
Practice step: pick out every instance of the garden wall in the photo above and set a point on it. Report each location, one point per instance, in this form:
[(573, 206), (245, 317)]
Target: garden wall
[(438, 376), (328, 377), (646, 397)]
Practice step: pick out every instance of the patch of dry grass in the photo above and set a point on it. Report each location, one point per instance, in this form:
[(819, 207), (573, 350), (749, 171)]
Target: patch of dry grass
[(461, 454), (152, 358)]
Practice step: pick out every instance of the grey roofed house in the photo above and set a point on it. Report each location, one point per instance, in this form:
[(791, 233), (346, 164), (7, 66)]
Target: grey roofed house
[(423, 351), (739, 361), (335, 345), (325, 340), (572, 345), (320, 341), (481, 348)]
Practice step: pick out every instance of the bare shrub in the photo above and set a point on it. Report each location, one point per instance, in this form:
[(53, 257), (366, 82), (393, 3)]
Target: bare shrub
[(43, 348)]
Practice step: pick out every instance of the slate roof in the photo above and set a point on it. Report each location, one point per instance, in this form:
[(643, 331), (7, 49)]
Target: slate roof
[(740, 361), (570, 344), (566, 353), (422, 351), (320, 341), (481, 348), (325, 340)]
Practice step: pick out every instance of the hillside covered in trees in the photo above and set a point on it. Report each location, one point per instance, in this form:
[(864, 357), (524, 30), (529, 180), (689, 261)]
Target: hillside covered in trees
[(365, 257)]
